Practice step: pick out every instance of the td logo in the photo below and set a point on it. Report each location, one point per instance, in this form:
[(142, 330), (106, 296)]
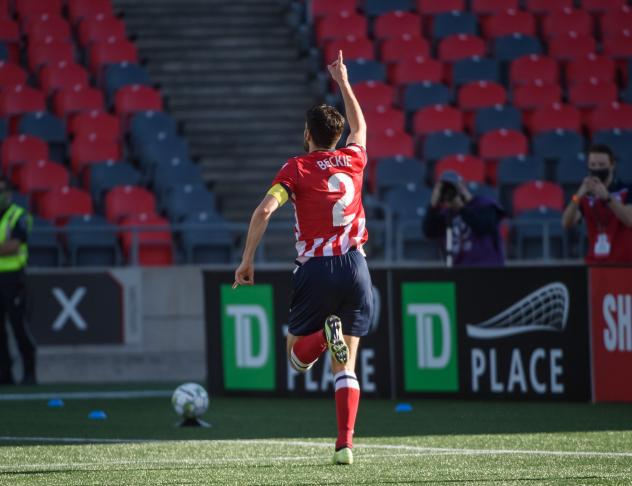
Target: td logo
[(430, 340), (248, 338)]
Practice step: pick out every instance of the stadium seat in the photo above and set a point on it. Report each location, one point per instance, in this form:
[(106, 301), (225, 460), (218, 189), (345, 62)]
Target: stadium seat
[(395, 49), (78, 9), (17, 149), (539, 235), (39, 28), (79, 98), (437, 118), (123, 201), (493, 7), (601, 6), (619, 141), (19, 99), (471, 169), (60, 204), (340, 25), (537, 194), (173, 174), (453, 23), (497, 117), (131, 99), (408, 202), (535, 95), (62, 76), (442, 144), (159, 149), (123, 74), (618, 46), (10, 35), (320, 8), (502, 143), (509, 22), (420, 95), (108, 175), (104, 53), (415, 70), (49, 52), (432, 7), (398, 171), (4, 129), (397, 24), (353, 47), (38, 177), (390, 144), (547, 6), (555, 116), (362, 70), (567, 20), (88, 122), (461, 46), (91, 149), (4, 52), (47, 127), (188, 199), (148, 124), (206, 238), (511, 47), (100, 28), (26, 8), (571, 171), (11, 75), (589, 94), (475, 69), (91, 242), (384, 119), (481, 94), (557, 144), (567, 47), (531, 68), (371, 95), (590, 67), (44, 250), (616, 21), (513, 171), (624, 171), (148, 241), (614, 115), (373, 8)]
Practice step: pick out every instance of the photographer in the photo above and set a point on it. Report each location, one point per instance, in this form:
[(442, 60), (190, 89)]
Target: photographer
[(606, 205), (466, 225)]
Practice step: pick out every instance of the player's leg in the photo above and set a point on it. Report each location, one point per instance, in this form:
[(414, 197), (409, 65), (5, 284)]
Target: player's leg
[(304, 351)]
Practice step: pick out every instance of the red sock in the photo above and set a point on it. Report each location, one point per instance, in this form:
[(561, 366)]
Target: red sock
[(307, 349), (347, 401)]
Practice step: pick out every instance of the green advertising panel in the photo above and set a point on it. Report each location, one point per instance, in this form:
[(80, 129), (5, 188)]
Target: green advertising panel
[(248, 346), (430, 337)]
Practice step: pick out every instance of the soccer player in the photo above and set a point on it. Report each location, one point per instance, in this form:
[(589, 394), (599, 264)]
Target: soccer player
[(332, 303)]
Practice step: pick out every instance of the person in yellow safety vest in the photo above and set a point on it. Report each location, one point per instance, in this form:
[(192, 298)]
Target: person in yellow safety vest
[(15, 224)]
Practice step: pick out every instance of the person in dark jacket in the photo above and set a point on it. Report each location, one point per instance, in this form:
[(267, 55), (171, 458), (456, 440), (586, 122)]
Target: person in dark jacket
[(466, 225)]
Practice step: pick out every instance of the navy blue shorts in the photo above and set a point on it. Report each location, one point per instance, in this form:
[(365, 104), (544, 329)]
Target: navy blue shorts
[(339, 285)]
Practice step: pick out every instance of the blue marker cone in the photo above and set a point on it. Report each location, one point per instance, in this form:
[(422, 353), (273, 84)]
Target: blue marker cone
[(403, 407), (97, 415), (55, 403)]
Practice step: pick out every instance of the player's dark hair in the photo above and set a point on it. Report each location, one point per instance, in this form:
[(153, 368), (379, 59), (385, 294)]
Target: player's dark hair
[(325, 125), (600, 148)]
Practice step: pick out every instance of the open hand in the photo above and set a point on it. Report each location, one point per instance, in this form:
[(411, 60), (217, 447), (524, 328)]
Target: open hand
[(338, 70)]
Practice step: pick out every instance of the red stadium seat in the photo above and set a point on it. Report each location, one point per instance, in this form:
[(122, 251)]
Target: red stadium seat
[(616, 21), (618, 46), (58, 205), (47, 26), (353, 48), (124, 201), (461, 46), (508, 23), (390, 144), (502, 143), (103, 53), (153, 237), (557, 115), (598, 6), (40, 176), (49, 52), (481, 94), (471, 168), (327, 7), (589, 67), (396, 24), (133, 98), (535, 95), (384, 119), (589, 94), (63, 76), (11, 74), (341, 25), (18, 99), (493, 7), (79, 98), (529, 69), (398, 48), (26, 8), (91, 149), (608, 117), (100, 29), (567, 20), (18, 149), (433, 7), (78, 9), (415, 70), (537, 194), (374, 94), (437, 119), (106, 125), (547, 6), (571, 46)]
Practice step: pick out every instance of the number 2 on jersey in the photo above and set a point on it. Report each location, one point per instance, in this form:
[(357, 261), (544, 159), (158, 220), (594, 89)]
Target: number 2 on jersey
[(338, 211)]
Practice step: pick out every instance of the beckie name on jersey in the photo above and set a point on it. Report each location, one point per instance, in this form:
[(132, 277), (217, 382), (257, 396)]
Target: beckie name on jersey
[(336, 161)]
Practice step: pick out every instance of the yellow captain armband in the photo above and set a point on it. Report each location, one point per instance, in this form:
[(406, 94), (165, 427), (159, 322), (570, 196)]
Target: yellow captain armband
[(279, 193)]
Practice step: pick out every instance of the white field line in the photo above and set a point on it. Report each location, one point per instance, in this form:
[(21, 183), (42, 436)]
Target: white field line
[(10, 397)]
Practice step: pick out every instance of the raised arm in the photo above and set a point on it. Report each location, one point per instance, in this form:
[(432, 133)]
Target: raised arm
[(353, 111)]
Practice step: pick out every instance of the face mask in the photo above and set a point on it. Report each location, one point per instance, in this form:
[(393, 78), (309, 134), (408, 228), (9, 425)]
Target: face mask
[(601, 174)]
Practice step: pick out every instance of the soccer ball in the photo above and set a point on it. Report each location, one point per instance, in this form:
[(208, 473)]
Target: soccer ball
[(190, 400)]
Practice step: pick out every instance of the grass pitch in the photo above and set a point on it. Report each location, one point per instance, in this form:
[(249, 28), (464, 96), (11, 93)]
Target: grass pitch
[(285, 441)]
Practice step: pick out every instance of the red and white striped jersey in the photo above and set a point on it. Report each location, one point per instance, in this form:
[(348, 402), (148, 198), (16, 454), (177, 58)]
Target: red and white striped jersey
[(326, 190)]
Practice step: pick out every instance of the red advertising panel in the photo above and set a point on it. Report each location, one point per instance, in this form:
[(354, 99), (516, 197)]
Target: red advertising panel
[(611, 322)]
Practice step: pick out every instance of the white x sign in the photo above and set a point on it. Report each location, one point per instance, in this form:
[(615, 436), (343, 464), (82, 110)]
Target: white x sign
[(69, 309)]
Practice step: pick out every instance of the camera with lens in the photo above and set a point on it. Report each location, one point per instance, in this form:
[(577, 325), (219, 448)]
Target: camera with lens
[(449, 192)]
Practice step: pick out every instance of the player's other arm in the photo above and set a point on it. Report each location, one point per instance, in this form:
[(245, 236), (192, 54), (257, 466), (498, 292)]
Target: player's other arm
[(353, 111)]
